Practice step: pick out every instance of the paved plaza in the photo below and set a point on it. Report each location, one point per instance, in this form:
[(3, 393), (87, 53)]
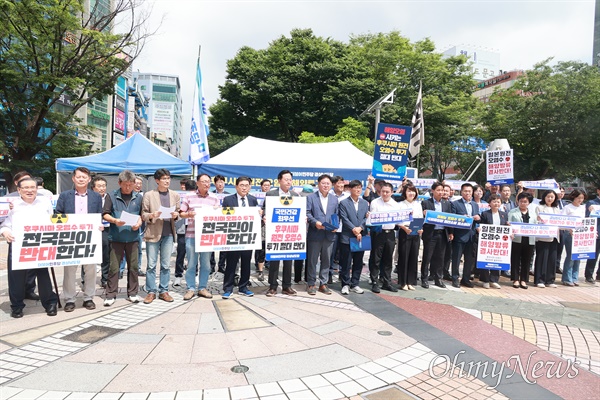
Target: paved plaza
[(424, 344)]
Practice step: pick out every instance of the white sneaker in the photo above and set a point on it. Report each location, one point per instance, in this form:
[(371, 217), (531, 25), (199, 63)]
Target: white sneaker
[(486, 285), (109, 302), (495, 285), (134, 299), (177, 282), (552, 285), (357, 289), (541, 285), (346, 289)]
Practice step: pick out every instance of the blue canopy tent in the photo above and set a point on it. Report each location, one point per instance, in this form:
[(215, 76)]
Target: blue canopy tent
[(136, 154)]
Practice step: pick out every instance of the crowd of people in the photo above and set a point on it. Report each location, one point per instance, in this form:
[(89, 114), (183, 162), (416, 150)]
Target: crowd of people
[(337, 219)]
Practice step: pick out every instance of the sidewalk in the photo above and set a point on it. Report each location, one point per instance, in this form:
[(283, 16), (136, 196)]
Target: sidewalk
[(402, 345)]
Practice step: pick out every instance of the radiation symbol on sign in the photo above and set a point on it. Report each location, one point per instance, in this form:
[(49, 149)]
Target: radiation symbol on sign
[(228, 211), (286, 200), (59, 218)]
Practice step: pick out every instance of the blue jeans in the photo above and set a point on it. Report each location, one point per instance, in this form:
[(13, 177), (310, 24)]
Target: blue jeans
[(165, 246), (571, 267), (192, 257)]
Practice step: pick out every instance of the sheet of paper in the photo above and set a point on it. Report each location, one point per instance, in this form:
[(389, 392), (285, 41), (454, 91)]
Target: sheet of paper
[(129, 219), (165, 212)]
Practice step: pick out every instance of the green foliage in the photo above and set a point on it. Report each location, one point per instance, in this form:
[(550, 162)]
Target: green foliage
[(351, 130), (550, 117), (50, 49)]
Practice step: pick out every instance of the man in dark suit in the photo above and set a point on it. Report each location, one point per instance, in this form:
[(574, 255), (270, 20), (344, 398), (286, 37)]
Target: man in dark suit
[(80, 200), (435, 238), (320, 206), (285, 183), (240, 199), (353, 217), (463, 238)]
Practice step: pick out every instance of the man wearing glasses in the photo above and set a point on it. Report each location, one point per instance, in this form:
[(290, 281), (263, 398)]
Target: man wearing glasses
[(160, 209)]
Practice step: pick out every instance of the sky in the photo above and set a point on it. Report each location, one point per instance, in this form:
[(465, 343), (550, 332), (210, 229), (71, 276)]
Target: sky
[(524, 32)]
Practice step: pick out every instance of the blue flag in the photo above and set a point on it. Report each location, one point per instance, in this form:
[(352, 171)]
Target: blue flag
[(199, 152)]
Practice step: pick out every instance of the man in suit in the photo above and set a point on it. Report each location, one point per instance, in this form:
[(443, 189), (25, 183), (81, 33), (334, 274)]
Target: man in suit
[(285, 183), (240, 199), (435, 237), (80, 200), (159, 234), (99, 186), (320, 206), (353, 218), (463, 238)]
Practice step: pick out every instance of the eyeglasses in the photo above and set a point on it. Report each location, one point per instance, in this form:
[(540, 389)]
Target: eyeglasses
[(165, 178), (28, 187)]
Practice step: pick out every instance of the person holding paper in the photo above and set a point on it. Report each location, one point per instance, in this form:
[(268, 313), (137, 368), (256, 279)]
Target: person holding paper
[(122, 209), (522, 246), (353, 218), (546, 249), (160, 210), (463, 238), (409, 241), (493, 216), (320, 208), (571, 267), (593, 206), (80, 200), (28, 203)]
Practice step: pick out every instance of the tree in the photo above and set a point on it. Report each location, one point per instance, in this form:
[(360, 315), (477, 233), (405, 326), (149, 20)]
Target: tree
[(352, 130), (550, 117), (55, 48)]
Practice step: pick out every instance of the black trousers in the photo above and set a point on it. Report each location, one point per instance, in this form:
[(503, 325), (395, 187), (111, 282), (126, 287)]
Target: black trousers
[(520, 259), (105, 266), (382, 251), (434, 248), (180, 255), (350, 265), (232, 258), (286, 280), (298, 267), (17, 285), (458, 249), (545, 262), (590, 264), (408, 258)]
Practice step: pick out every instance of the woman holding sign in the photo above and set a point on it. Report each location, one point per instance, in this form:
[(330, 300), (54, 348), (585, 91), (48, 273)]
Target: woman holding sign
[(546, 249), (576, 209), (522, 246), (493, 216), (409, 239)]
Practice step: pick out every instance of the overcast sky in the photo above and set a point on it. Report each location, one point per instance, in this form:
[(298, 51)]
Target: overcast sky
[(523, 32)]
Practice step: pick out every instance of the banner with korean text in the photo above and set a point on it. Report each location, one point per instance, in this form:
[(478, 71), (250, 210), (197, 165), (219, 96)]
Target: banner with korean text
[(227, 229), (562, 221), (448, 219), (534, 230), (595, 211), (499, 166), (494, 249), (285, 228), (391, 151), (584, 240), (61, 240), (389, 217)]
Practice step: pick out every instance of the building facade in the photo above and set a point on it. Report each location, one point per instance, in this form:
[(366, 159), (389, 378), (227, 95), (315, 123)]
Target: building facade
[(485, 63)]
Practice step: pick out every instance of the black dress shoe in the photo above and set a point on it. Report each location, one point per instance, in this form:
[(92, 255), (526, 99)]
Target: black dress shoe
[(17, 314), (32, 296), (467, 284), (52, 310), (389, 288), (69, 307), (455, 283), (559, 271), (89, 304), (505, 274), (440, 284), (330, 280), (448, 278), (430, 278), (141, 273), (375, 289), (425, 285)]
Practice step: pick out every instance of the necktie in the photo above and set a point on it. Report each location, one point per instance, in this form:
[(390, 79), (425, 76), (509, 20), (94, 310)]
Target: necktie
[(243, 202)]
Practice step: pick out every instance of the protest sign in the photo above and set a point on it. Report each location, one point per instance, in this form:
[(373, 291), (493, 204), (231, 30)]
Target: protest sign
[(548, 184), (61, 240), (285, 229), (389, 217), (227, 229), (595, 212), (534, 230), (499, 166), (494, 248), (584, 240), (448, 219), (562, 221), (391, 151), (4, 209)]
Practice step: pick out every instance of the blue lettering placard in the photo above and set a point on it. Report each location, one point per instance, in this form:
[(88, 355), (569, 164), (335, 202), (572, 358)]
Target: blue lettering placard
[(389, 217), (448, 219), (391, 151)]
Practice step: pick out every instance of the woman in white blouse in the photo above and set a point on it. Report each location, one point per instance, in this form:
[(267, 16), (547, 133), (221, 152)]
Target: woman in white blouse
[(571, 267), (546, 249), (408, 244)]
